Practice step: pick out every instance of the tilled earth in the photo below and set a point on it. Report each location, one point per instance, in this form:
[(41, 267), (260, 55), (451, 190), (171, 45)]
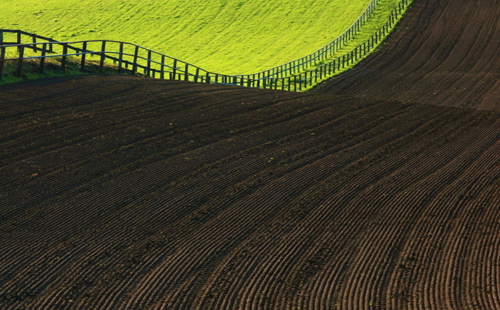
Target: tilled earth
[(133, 193), (443, 52)]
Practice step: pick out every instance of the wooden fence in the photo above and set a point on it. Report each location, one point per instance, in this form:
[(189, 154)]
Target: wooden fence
[(325, 52), (292, 76)]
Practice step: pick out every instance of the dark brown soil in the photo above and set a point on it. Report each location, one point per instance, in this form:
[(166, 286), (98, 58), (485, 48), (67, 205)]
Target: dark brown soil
[(133, 193), (443, 52)]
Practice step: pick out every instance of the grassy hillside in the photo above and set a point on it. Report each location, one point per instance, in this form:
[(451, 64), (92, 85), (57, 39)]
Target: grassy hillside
[(227, 36)]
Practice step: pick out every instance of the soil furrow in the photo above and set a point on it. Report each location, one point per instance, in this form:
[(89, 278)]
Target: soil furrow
[(370, 192)]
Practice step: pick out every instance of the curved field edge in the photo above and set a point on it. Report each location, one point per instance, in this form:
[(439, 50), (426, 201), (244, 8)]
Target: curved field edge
[(359, 42), (360, 34), (220, 36)]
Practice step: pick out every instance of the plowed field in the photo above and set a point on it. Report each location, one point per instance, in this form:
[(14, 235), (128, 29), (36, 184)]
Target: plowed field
[(133, 193), (442, 52)]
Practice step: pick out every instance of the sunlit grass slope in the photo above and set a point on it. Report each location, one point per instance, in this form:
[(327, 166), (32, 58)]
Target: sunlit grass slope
[(226, 36)]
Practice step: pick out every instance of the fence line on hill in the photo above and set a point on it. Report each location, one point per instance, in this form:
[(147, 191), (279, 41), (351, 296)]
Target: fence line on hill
[(134, 58), (324, 52)]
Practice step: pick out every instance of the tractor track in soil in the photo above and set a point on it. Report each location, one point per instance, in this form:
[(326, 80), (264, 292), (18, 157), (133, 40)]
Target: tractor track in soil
[(133, 193)]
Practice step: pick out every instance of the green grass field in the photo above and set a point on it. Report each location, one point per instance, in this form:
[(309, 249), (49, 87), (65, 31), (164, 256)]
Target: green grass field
[(225, 36)]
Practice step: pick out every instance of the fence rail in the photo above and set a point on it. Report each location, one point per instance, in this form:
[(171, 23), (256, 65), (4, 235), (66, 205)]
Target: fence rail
[(292, 76)]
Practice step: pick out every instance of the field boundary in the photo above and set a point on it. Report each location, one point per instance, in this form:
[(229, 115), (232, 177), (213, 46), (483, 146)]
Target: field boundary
[(291, 76)]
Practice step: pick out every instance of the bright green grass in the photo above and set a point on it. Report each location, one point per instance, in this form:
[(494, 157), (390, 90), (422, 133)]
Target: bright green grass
[(224, 36)]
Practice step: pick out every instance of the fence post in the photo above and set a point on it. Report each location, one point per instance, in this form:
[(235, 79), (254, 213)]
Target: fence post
[(196, 75), (42, 60), (103, 50), (19, 37), (162, 74), (1, 37), (149, 63), (186, 74), (120, 58), (2, 57), (136, 55), (34, 43), (208, 77), (174, 71), (84, 50), (65, 52), (20, 61)]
